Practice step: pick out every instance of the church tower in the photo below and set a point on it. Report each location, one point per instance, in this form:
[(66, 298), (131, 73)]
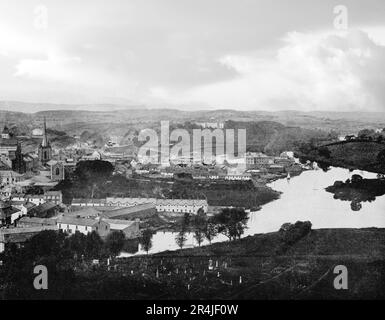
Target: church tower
[(45, 150)]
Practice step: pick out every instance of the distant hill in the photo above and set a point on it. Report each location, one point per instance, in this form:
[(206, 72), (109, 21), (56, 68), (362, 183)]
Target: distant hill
[(267, 131), (67, 116), (28, 107), (273, 138)]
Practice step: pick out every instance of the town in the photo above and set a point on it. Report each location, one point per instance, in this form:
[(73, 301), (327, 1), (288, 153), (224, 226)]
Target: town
[(104, 221), (32, 202)]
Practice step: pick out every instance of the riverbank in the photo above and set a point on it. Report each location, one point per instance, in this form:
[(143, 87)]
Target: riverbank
[(262, 194), (365, 242), (352, 155)]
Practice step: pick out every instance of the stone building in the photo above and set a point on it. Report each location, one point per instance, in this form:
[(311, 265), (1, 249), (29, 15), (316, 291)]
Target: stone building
[(10, 151)]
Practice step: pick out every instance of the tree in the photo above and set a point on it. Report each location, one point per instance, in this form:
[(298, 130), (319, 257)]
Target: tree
[(45, 243), (77, 244), (324, 152), (381, 158), (323, 165), (366, 133), (231, 222), (96, 170), (65, 186), (306, 147), (146, 239), (93, 174), (186, 220), (291, 233), (356, 178), (94, 245), (115, 242), (199, 236), (199, 223), (46, 248), (181, 239), (210, 230)]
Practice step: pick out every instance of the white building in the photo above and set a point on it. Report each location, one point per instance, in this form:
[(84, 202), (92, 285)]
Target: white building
[(211, 125), (23, 206), (128, 202), (238, 177), (88, 202), (162, 205), (181, 205), (36, 199), (85, 226)]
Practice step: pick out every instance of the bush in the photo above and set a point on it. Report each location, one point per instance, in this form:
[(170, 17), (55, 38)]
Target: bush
[(324, 152), (115, 242), (356, 178), (381, 158), (291, 233)]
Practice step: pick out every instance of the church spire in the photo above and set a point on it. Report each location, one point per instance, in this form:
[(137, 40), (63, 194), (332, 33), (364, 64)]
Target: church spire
[(45, 151), (45, 142)]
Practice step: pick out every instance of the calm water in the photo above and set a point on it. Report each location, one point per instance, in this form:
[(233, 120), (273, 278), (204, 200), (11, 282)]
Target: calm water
[(303, 198)]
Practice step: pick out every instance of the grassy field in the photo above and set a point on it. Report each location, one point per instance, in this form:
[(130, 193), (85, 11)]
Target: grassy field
[(263, 266), (256, 267)]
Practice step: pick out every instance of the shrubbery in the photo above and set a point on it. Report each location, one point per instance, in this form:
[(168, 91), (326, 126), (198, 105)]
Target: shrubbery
[(291, 233)]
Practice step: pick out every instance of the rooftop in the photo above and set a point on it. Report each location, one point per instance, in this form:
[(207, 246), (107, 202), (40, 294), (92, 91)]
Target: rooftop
[(7, 211), (119, 224), (42, 208), (84, 213), (182, 202), (53, 193), (94, 201), (17, 230), (129, 201), (77, 221), (116, 212), (43, 221)]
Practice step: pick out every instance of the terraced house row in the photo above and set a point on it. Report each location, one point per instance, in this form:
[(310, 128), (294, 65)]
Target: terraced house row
[(161, 205)]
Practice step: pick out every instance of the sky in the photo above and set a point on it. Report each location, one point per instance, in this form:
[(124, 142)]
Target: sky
[(270, 55)]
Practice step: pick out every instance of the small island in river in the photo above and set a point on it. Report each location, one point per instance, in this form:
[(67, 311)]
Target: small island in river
[(357, 190)]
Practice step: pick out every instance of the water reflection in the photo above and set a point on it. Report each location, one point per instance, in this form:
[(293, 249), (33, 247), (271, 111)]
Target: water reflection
[(356, 206)]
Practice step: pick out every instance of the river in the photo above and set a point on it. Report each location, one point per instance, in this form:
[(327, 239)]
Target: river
[(303, 198)]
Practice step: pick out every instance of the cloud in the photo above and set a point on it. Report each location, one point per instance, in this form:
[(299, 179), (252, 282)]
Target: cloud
[(195, 53), (54, 67), (324, 71)]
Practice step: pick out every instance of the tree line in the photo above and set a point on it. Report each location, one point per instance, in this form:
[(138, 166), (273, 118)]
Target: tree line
[(230, 222)]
